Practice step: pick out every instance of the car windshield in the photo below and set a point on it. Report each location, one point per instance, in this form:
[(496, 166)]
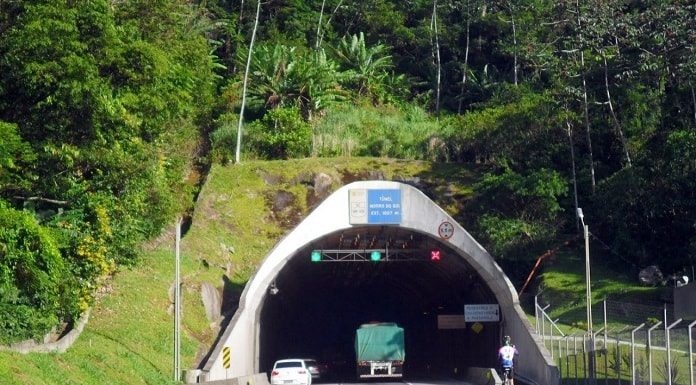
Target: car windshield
[(311, 363), (289, 364)]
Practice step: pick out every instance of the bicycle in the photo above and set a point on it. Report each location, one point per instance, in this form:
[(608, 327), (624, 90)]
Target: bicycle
[(507, 376)]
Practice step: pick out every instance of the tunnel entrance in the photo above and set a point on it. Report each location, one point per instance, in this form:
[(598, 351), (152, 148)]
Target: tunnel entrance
[(314, 308), (293, 307)]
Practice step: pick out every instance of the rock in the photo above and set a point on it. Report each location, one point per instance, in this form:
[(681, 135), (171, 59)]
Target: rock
[(322, 185), (282, 200), (651, 276), (212, 301)]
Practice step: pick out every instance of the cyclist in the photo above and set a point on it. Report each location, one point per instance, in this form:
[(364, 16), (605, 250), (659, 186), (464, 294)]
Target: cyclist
[(506, 356)]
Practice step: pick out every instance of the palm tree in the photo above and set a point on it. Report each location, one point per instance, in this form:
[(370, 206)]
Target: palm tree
[(365, 67), (285, 76)]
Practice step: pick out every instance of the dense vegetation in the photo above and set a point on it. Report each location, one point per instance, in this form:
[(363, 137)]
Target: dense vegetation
[(109, 109)]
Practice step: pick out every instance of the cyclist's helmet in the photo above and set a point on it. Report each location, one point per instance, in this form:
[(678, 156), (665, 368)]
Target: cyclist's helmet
[(506, 340)]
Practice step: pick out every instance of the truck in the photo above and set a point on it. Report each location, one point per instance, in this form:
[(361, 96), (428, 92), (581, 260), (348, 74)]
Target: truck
[(380, 350)]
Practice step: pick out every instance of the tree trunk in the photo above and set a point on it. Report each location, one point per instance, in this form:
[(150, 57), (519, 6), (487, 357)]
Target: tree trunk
[(321, 14), (514, 39), (244, 86), (466, 59), (586, 112), (613, 113), (569, 131), (328, 22), (437, 58)]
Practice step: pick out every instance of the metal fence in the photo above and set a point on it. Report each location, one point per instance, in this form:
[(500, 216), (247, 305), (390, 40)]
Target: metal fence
[(632, 344)]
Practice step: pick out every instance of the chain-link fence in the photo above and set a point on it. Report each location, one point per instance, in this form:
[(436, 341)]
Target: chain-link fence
[(630, 343)]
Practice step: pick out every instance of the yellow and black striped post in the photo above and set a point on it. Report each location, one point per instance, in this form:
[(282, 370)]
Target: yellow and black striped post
[(226, 357)]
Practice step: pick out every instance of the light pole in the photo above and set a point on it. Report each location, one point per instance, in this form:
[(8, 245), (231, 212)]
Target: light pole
[(588, 295)]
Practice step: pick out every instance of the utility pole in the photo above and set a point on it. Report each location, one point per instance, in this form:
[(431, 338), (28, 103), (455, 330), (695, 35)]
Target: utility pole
[(177, 305), (588, 299)]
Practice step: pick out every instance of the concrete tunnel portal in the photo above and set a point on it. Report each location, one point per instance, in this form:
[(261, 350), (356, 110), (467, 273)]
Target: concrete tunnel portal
[(317, 306), (296, 307)]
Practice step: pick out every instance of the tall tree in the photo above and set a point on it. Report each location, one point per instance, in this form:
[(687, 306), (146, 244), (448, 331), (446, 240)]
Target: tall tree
[(580, 33), (438, 61), (465, 69), (244, 86)]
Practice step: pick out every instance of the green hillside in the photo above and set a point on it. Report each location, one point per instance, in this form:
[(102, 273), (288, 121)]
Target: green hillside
[(129, 336), (116, 117)]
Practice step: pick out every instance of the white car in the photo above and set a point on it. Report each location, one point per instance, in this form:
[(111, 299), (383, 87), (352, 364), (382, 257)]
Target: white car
[(291, 371)]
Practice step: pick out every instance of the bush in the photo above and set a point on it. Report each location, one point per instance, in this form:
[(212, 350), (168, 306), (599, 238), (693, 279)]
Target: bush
[(223, 140), (525, 210), (281, 134), (35, 285)]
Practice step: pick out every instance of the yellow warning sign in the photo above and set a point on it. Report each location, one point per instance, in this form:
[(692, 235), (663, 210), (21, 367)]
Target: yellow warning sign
[(477, 327), (226, 357)]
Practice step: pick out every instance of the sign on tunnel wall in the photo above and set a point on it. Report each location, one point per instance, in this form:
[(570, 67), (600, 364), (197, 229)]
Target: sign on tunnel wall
[(375, 206), (482, 313)]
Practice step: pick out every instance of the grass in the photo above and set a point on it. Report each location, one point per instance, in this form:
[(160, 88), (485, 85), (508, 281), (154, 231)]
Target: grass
[(563, 288), (615, 366), (128, 339), (395, 132)]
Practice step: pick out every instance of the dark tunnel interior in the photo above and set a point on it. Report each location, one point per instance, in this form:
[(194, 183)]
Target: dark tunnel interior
[(319, 305)]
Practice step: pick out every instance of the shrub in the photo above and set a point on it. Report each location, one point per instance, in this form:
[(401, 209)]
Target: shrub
[(281, 134), (224, 138), (35, 284)]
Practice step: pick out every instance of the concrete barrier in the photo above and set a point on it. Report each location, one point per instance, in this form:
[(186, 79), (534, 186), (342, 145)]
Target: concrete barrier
[(254, 379)]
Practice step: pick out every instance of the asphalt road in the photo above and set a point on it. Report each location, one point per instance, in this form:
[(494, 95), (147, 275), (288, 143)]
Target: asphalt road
[(395, 382)]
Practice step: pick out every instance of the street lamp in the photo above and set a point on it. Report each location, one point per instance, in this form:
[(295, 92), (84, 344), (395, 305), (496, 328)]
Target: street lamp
[(588, 293)]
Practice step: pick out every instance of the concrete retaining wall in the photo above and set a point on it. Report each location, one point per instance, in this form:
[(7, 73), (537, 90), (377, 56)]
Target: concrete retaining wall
[(59, 346), (254, 379)]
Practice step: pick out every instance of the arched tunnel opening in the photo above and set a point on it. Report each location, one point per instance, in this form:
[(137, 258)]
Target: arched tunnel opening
[(315, 307)]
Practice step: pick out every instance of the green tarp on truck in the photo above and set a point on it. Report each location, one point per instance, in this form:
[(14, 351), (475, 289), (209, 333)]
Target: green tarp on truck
[(380, 342)]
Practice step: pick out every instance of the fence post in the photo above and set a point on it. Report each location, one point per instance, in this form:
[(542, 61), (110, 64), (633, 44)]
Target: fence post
[(567, 356), (551, 325), (633, 353), (560, 347), (618, 356), (606, 349), (618, 353), (585, 372), (543, 324), (536, 313), (691, 353), (575, 357), (560, 356), (650, 351), (594, 350), (669, 354)]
